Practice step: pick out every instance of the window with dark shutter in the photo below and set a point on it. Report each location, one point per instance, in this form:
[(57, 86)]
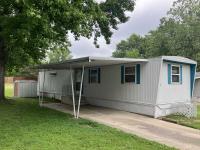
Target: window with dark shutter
[(129, 74), (94, 75), (175, 74)]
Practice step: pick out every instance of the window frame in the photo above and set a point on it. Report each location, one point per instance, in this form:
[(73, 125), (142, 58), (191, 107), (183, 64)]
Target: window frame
[(130, 66), (97, 74), (173, 74)]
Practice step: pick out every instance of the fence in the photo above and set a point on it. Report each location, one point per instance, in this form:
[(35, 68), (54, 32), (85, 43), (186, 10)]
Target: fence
[(13, 79)]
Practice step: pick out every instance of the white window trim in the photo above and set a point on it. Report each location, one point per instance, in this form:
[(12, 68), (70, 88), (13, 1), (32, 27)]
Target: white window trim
[(95, 75), (130, 74), (179, 74)]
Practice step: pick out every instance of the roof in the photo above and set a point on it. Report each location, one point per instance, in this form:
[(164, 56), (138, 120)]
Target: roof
[(179, 59), (89, 62)]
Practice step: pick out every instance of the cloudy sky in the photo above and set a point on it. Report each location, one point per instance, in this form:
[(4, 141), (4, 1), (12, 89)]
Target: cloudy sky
[(145, 17)]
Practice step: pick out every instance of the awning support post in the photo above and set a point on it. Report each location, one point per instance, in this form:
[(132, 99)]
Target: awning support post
[(80, 92), (73, 98)]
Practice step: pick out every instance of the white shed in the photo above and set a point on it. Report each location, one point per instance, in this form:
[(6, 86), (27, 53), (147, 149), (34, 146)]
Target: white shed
[(25, 88), (156, 87)]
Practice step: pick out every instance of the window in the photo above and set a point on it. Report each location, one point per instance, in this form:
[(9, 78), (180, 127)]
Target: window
[(94, 75), (175, 74), (129, 74)]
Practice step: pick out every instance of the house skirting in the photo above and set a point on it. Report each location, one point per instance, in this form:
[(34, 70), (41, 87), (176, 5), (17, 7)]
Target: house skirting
[(145, 109)]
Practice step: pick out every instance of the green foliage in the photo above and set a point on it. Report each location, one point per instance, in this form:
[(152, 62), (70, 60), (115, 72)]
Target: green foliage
[(133, 53), (57, 55), (29, 28), (131, 47), (9, 90), (25, 72), (177, 34)]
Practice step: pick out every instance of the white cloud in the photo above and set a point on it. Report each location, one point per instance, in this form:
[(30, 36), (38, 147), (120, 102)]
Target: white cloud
[(145, 17)]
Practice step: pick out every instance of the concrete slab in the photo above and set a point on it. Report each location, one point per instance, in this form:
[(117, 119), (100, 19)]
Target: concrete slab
[(174, 135)]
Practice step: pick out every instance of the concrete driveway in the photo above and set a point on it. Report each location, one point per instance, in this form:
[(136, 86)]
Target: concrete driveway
[(174, 135)]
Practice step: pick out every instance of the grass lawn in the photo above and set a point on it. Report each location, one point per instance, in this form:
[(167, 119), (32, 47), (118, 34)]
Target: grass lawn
[(192, 122), (25, 125), (9, 90)]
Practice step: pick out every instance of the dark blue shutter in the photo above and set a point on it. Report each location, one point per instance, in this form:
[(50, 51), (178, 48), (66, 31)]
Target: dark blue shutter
[(122, 74), (192, 78), (99, 75), (138, 74), (88, 75), (169, 73), (181, 74)]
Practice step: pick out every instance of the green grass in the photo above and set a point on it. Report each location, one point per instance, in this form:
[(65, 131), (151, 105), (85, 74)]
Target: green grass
[(190, 122), (25, 125), (9, 92)]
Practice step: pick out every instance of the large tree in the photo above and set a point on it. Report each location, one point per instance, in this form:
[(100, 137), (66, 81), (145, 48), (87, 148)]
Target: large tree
[(29, 28), (57, 55), (177, 34), (132, 47)]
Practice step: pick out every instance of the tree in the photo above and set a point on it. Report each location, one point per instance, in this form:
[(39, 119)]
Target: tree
[(57, 55), (177, 34), (132, 47), (133, 53), (29, 28)]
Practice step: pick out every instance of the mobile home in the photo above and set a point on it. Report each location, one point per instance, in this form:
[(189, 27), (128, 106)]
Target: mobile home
[(196, 94), (156, 87)]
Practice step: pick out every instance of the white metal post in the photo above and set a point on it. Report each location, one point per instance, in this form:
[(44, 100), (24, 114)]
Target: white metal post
[(73, 98), (80, 92)]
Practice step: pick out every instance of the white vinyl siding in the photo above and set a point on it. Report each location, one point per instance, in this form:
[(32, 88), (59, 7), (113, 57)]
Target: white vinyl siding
[(111, 90), (176, 93), (197, 88), (60, 84)]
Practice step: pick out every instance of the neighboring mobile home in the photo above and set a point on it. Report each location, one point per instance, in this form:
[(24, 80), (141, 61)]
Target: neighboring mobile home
[(196, 94), (156, 87)]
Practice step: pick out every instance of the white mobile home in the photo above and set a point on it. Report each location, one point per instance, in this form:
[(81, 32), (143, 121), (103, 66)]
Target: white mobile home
[(196, 94), (155, 87)]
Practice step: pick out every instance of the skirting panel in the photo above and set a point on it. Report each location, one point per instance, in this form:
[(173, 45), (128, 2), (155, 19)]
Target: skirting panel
[(186, 109), (130, 107)]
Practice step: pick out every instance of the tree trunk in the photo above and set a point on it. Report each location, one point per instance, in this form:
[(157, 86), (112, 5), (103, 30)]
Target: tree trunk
[(2, 69)]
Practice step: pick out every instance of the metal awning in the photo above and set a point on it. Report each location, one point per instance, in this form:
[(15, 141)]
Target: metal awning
[(82, 63), (90, 62)]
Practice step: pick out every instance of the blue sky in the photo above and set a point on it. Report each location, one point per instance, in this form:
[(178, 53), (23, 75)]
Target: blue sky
[(145, 17)]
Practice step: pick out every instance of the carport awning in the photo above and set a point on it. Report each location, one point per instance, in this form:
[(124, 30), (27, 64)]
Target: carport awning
[(90, 62)]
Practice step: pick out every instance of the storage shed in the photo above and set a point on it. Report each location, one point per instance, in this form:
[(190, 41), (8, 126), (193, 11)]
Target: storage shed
[(156, 87), (25, 88)]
